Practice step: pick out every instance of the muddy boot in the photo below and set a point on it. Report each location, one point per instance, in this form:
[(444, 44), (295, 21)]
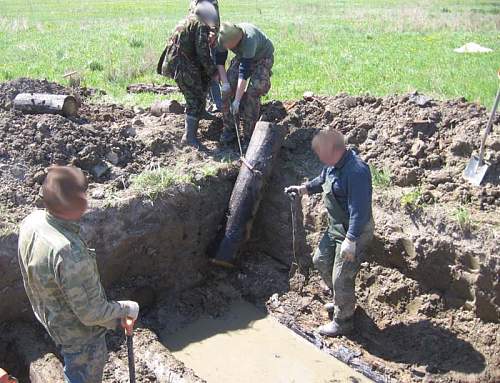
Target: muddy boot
[(227, 136), (189, 137), (337, 328)]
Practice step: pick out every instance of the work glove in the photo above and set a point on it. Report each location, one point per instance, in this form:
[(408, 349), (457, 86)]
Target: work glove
[(225, 88), (296, 190), (235, 107), (348, 250), (131, 309)]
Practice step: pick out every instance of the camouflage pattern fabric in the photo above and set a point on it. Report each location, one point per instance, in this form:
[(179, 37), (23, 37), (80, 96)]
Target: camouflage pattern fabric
[(194, 86), (259, 85), (188, 61), (215, 3), (338, 273), (62, 282), (87, 364)]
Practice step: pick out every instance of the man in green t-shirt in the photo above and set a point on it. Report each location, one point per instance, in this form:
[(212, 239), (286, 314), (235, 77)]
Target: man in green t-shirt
[(248, 77)]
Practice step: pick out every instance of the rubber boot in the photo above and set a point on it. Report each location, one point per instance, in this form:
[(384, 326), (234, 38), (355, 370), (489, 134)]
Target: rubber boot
[(216, 95), (337, 328), (189, 137)]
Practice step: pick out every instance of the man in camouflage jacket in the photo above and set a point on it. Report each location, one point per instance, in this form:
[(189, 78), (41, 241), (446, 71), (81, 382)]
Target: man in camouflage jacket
[(214, 91), (62, 281), (188, 61)]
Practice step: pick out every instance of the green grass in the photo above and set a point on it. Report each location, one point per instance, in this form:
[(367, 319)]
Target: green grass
[(152, 183), (381, 178), (412, 200), (362, 46), (463, 216)]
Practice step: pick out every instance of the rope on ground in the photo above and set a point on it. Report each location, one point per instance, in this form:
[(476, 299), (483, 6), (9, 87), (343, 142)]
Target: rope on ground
[(294, 235)]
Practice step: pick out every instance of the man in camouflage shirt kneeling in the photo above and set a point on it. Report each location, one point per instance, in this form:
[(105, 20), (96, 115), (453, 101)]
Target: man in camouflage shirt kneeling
[(62, 281)]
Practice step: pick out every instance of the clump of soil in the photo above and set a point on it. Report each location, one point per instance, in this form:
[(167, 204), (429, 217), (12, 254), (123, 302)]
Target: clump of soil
[(420, 146), (111, 143)]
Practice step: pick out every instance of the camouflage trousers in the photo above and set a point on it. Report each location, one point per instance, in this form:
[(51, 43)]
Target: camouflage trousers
[(87, 364), (338, 273), (259, 85), (194, 85)]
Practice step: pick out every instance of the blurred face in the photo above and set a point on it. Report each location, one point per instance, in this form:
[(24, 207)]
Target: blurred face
[(232, 44), (328, 153), (77, 211), (64, 192)]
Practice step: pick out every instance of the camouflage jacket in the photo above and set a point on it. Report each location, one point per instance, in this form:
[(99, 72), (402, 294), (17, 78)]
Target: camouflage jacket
[(62, 281), (215, 3), (188, 49)]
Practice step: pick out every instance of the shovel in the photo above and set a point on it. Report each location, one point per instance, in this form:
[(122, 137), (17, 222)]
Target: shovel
[(129, 333), (476, 168)]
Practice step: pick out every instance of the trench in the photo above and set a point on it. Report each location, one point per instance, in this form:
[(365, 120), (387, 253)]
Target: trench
[(198, 323), (427, 299)]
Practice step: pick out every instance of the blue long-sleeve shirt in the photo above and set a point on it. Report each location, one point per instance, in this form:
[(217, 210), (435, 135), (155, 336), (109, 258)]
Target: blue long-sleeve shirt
[(351, 187)]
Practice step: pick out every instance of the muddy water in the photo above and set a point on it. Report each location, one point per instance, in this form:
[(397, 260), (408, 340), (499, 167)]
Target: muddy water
[(246, 346)]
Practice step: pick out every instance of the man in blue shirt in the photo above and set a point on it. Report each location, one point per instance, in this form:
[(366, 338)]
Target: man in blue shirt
[(347, 194)]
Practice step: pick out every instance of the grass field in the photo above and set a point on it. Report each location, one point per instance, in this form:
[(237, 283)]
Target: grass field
[(364, 46)]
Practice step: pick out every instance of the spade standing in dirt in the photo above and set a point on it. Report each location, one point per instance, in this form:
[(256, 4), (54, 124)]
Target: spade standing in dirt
[(187, 60), (347, 194), (214, 93), (248, 77), (62, 281)]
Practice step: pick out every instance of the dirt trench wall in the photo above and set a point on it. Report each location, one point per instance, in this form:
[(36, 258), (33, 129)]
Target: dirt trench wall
[(138, 243)]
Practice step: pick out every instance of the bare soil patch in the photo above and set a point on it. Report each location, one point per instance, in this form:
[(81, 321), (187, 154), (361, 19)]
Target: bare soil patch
[(428, 290)]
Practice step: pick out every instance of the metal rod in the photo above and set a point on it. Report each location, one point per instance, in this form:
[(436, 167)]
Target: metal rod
[(236, 126), (488, 129), (131, 361)]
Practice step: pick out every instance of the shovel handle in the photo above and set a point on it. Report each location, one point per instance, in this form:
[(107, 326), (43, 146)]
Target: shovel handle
[(488, 126)]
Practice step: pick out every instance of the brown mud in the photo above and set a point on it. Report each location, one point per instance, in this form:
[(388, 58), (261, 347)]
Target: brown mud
[(428, 291)]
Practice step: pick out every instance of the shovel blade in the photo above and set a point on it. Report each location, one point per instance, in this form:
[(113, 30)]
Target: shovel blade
[(474, 172)]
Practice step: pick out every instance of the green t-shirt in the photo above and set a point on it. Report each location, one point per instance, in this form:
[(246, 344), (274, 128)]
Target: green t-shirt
[(254, 44)]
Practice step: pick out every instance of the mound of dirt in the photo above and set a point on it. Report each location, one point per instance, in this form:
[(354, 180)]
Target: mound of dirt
[(423, 145), (111, 143)]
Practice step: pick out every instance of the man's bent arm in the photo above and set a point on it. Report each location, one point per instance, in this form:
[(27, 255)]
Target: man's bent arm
[(315, 186)]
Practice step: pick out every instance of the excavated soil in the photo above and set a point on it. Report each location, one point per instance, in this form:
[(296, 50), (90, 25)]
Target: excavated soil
[(428, 291), (110, 143)]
